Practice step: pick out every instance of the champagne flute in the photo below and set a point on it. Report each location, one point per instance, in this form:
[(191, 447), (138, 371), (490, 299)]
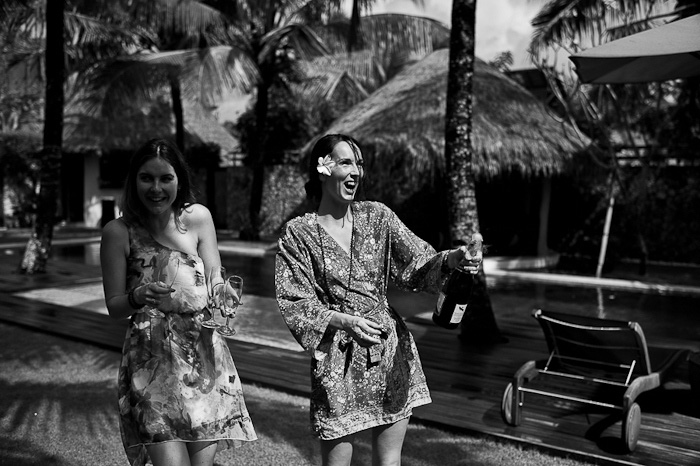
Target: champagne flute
[(215, 282), (233, 290), (165, 276)]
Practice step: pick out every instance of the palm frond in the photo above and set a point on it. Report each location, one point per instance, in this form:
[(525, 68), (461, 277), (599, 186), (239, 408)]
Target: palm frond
[(21, 20), (393, 42), (572, 23), (205, 76), (106, 88), (214, 72), (88, 31), (187, 16), (384, 33), (363, 66), (325, 85), (92, 40), (299, 37), (390, 31)]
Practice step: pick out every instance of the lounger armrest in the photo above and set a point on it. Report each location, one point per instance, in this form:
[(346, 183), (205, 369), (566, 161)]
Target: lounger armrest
[(639, 386), (527, 372)]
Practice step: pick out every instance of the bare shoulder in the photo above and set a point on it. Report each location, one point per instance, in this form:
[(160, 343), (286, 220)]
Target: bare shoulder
[(196, 216), (115, 230), (115, 237)]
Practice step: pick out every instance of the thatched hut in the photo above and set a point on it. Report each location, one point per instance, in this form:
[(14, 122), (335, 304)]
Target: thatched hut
[(96, 153), (518, 143)]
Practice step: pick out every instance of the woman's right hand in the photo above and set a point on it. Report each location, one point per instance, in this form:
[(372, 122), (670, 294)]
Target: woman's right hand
[(151, 294), (364, 331)]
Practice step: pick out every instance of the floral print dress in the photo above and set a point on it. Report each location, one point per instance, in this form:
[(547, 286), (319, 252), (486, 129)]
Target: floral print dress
[(177, 380), (353, 387)]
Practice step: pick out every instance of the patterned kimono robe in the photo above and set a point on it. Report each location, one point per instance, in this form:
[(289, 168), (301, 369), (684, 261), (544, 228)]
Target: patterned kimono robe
[(353, 387)]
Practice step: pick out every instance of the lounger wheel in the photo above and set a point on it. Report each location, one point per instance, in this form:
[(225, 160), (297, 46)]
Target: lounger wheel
[(631, 421), (509, 416)]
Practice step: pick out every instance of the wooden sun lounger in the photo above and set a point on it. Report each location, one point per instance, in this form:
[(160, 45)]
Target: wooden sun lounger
[(587, 351)]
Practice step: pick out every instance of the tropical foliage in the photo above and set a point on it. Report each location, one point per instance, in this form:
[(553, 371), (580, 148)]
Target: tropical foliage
[(638, 128), (44, 43)]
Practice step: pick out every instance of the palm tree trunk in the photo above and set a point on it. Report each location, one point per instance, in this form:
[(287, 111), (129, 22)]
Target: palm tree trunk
[(479, 326), (353, 32), (176, 97), (258, 162), (461, 193), (36, 253)]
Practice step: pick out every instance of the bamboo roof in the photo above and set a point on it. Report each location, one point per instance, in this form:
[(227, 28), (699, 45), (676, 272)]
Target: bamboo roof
[(512, 129)]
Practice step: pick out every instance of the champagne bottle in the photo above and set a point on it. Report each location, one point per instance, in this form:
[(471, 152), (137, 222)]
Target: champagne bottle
[(455, 295)]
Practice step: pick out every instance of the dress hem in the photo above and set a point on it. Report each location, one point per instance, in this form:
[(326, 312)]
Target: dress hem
[(213, 440), (376, 421)]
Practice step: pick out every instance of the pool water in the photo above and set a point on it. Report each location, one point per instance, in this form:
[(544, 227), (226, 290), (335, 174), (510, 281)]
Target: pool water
[(660, 315)]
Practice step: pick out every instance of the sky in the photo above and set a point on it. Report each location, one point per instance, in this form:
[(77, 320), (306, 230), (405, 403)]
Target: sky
[(501, 25)]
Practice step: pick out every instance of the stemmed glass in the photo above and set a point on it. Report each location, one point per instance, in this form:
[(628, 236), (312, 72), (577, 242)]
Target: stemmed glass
[(165, 276), (233, 290), (215, 282)]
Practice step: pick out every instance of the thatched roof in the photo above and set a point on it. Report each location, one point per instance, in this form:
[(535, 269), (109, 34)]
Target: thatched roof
[(84, 133), (512, 129), (203, 127)]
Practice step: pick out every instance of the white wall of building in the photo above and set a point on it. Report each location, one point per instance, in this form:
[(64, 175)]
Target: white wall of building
[(94, 195)]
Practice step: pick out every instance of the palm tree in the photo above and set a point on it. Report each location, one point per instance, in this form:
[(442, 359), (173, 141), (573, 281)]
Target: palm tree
[(40, 32), (480, 324), (609, 113), (220, 46), (36, 252), (354, 39), (175, 53)]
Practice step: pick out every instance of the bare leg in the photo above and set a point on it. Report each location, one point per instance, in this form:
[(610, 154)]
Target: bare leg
[(182, 453), (202, 453), (387, 442), (337, 452), (169, 454)]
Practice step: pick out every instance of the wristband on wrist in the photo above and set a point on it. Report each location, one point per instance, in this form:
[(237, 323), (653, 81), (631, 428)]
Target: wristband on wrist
[(132, 300)]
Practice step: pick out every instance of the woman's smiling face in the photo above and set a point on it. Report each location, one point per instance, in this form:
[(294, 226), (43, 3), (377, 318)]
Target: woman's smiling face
[(346, 173), (156, 185)]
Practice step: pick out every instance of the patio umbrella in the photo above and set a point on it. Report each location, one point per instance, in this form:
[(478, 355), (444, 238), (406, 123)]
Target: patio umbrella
[(667, 52)]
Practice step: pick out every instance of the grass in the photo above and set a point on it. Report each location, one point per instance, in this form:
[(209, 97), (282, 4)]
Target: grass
[(58, 408)]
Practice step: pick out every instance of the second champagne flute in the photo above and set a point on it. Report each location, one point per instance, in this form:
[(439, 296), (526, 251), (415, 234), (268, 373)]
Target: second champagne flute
[(233, 291), (215, 283)]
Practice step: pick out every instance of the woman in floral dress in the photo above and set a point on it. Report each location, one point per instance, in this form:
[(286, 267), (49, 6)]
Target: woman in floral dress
[(180, 398), (332, 271)]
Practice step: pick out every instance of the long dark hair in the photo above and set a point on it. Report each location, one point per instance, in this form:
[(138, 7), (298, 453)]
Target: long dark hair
[(323, 147), (132, 208)]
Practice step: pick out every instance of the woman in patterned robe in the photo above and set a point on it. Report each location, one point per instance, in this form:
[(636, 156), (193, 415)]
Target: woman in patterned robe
[(331, 277), (180, 398)]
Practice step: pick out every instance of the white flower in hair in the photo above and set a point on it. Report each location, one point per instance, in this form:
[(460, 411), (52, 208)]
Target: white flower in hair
[(325, 164)]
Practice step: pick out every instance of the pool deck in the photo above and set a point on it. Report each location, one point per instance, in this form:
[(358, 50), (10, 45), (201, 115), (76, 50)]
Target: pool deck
[(466, 381)]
